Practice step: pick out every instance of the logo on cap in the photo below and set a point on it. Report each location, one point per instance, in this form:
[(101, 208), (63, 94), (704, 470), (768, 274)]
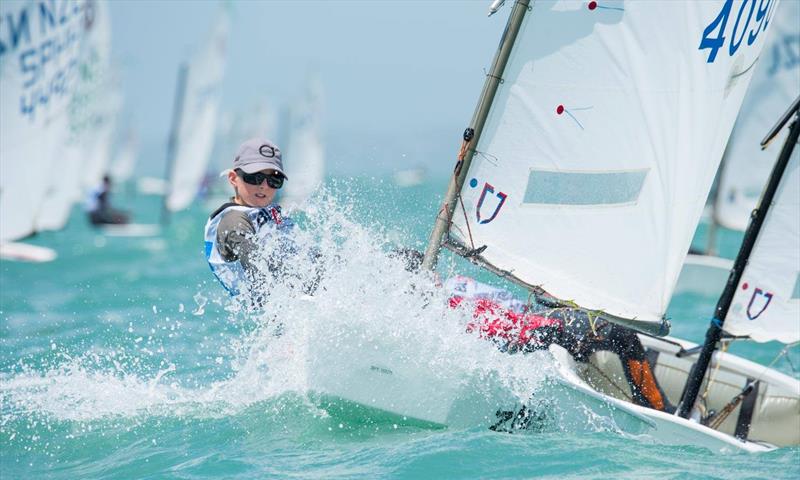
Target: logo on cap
[(266, 151)]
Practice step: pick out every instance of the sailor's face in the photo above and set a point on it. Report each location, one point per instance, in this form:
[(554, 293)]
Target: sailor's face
[(259, 195)]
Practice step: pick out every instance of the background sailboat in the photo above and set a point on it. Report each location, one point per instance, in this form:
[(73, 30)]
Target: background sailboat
[(766, 305), (124, 161), (195, 118), (304, 155), (92, 118), (745, 167), (258, 120), (35, 107)]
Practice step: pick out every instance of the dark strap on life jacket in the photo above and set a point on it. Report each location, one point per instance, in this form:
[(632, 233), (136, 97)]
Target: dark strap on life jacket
[(223, 207)]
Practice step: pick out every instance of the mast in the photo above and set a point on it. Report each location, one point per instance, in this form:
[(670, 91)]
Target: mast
[(177, 118), (714, 331), (473, 133)]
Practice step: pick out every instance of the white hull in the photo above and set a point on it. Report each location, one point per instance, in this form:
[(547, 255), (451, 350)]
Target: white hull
[(632, 419), (374, 374), (775, 412), (131, 230), (24, 252)]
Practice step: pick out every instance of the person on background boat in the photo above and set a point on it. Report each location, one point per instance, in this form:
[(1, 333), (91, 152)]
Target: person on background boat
[(99, 209), (247, 238), (515, 328)]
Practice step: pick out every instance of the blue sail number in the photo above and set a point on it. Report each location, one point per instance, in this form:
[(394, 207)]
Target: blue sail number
[(714, 34)]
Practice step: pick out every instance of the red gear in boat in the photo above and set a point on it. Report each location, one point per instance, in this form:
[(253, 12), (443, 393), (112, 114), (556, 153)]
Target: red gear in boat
[(515, 329), (518, 331)]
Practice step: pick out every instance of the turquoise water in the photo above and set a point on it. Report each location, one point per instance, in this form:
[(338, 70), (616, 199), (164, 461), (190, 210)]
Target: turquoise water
[(122, 359)]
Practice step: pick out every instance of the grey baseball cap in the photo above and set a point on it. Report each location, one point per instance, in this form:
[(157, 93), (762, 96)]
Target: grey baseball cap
[(258, 154)]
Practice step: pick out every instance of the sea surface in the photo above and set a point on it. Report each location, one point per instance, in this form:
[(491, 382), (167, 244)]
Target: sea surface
[(123, 358)]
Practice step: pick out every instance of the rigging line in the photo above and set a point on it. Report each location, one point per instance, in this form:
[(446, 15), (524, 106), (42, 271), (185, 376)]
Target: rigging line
[(788, 358), (466, 220), (529, 304), (612, 382), (489, 157), (713, 377), (719, 418), (460, 232), (783, 352), (591, 315)]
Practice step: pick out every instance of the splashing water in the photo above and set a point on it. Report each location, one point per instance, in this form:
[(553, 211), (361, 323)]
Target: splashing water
[(366, 304)]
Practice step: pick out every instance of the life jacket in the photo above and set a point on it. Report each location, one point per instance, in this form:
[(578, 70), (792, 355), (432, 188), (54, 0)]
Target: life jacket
[(266, 221), (92, 201)]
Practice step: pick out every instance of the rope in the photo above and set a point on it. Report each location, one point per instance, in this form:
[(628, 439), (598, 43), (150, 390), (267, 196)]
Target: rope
[(612, 382), (788, 359), (466, 221), (713, 377), (723, 414), (717, 420), (529, 304), (783, 352), (462, 152)]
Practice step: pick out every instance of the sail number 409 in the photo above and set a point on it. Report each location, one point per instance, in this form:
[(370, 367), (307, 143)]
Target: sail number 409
[(759, 11)]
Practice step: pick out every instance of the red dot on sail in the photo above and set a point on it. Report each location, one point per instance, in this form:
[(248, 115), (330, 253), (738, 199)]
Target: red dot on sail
[(592, 5), (560, 109), (744, 286)]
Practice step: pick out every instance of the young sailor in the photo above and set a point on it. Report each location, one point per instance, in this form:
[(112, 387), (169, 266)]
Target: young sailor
[(246, 238), (99, 209)]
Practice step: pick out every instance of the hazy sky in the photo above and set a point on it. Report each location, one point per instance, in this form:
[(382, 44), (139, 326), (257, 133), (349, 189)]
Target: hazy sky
[(400, 77)]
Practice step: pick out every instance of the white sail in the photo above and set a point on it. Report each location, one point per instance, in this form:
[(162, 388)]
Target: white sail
[(99, 147), (37, 89), (125, 157), (61, 195), (766, 305), (776, 83), (195, 135), (304, 155), (602, 143), (92, 109)]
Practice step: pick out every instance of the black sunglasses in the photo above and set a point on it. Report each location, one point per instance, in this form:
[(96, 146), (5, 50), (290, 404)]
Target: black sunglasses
[(274, 180)]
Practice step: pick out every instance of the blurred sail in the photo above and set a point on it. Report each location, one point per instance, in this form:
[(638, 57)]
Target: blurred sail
[(776, 82), (196, 132), (35, 101), (304, 155), (125, 157), (601, 146), (92, 112)]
